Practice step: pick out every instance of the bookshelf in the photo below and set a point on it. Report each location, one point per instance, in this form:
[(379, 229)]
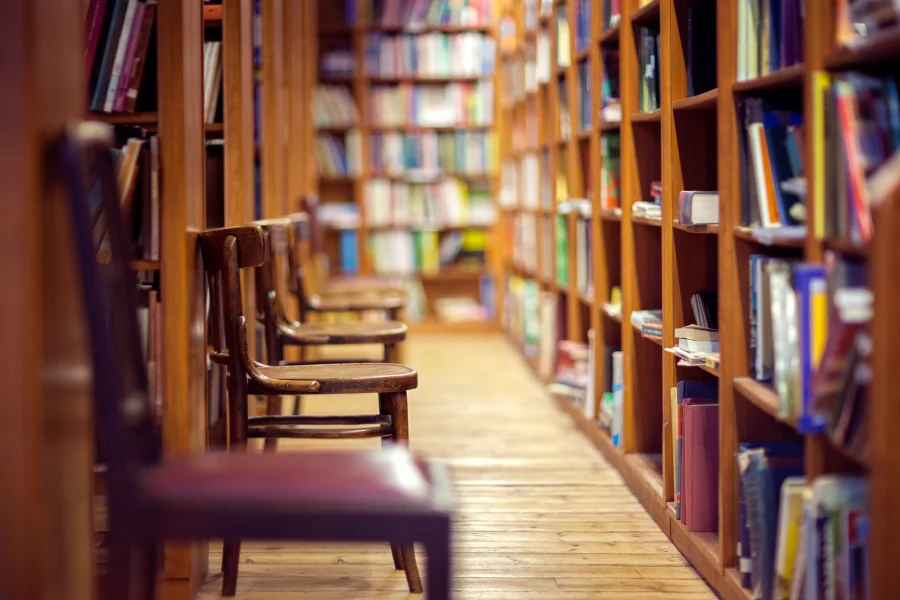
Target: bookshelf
[(687, 142), (410, 179)]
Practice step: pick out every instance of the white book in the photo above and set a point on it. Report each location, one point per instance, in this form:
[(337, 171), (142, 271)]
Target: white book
[(698, 346), (759, 174), (590, 397), (121, 49), (618, 398)]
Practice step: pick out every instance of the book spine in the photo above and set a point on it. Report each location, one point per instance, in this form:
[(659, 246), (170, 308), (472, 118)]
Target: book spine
[(140, 56), (93, 29), (125, 76), (109, 52), (118, 63)]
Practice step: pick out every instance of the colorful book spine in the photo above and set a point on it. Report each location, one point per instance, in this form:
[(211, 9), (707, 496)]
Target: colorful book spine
[(810, 286)]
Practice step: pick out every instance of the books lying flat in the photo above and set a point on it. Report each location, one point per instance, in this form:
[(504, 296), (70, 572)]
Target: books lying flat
[(697, 333), (698, 208)]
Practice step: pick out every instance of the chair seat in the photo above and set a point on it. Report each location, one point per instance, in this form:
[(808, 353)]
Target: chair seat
[(383, 332), (356, 302), (297, 483), (340, 378), (356, 285)]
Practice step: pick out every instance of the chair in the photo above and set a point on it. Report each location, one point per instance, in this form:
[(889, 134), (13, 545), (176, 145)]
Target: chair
[(375, 496), (281, 331)]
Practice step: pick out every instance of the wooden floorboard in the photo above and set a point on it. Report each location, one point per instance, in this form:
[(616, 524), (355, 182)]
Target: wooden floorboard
[(541, 515)]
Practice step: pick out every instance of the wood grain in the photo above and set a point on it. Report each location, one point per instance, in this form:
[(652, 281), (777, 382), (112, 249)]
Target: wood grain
[(539, 512)]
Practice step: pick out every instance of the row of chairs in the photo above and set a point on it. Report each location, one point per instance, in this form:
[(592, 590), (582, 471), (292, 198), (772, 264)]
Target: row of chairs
[(381, 496)]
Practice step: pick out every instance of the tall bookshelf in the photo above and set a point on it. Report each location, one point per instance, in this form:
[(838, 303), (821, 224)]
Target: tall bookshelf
[(687, 143), (338, 30)]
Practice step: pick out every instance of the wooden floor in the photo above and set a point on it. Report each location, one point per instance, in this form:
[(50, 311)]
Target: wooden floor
[(540, 513)]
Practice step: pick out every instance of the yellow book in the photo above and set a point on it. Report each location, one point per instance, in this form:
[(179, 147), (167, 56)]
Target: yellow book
[(790, 515), (821, 82), (819, 307)]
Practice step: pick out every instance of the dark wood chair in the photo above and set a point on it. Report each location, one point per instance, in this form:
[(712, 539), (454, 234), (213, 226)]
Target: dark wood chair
[(281, 331), (380, 496)]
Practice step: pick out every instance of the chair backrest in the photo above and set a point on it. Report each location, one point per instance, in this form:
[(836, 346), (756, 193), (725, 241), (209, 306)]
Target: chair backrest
[(124, 412), (300, 270), (271, 279), (225, 252)]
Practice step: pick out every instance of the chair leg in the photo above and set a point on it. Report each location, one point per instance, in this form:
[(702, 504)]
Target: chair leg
[(297, 404), (384, 408), (231, 556), (440, 568), (273, 408), (396, 404)]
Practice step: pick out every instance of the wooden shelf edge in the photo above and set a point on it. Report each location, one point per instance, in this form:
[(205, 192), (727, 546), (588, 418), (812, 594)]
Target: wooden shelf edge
[(647, 116), (609, 35), (745, 233), (611, 216), (586, 298), (785, 78), (711, 370), (609, 126), (145, 265), (141, 119), (700, 548), (646, 221), (698, 229), (705, 101), (847, 247), (763, 396), (880, 47), (646, 14)]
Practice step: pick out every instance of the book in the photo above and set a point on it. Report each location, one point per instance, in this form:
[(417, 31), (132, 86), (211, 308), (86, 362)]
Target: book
[(770, 36), (698, 346), (686, 389), (812, 317), (790, 515), (649, 65), (698, 208), (618, 379), (112, 35), (700, 487), (695, 332), (705, 306)]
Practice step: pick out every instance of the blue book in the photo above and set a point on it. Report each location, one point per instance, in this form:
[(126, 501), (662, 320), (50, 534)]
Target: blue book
[(810, 285), (109, 54), (776, 126), (349, 241)]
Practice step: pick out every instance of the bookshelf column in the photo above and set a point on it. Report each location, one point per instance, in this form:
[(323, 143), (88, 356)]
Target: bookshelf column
[(182, 277), (273, 113), (46, 433)]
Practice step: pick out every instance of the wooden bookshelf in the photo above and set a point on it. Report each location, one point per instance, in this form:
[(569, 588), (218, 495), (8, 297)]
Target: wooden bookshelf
[(692, 143), (334, 33)]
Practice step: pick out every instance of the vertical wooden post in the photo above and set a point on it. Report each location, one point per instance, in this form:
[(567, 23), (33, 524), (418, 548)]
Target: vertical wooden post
[(46, 433), (183, 291), (273, 113)]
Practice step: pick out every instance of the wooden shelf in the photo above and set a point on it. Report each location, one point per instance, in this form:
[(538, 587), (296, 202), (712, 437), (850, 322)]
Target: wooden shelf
[(609, 37), (646, 14), (881, 47), (847, 247), (141, 119), (585, 298), (145, 265), (638, 220), (763, 396), (611, 216), (744, 233), (617, 318), (699, 229), (710, 370), (212, 14), (637, 329), (647, 116), (218, 128), (705, 101), (609, 126), (582, 55), (790, 77)]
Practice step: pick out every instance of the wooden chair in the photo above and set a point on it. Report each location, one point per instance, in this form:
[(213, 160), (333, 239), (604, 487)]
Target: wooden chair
[(376, 496), (281, 331)]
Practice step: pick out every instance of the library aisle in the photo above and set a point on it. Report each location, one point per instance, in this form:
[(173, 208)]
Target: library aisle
[(539, 512)]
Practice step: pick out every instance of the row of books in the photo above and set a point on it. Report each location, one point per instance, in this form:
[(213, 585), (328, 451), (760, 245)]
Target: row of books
[(150, 325), (584, 256), (426, 154), (522, 311), (405, 252), (212, 81), (582, 24), (563, 37), (648, 51), (773, 180), (524, 250), (610, 173), (610, 106), (769, 36), (535, 8), (562, 248), (338, 156), (860, 131), (799, 539), (337, 63), (468, 54), (138, 174), (413, 14), (334, 106), (562, 107), (808, 339), (585, 112), (612, 14), (118, 36), (433, 105), (858, 22), (449, 204)]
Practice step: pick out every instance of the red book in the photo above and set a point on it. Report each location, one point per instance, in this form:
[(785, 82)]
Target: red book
[(128, 61), (700, 493), (140, 56), (93, 27)]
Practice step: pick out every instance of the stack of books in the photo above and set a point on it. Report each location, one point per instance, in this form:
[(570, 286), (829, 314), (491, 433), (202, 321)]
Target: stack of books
[(118, 35), (646, 210), (649, 322), (469, 54), (861, 133), (769, 36), (773, 181), (432, 105), (696, 346)]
